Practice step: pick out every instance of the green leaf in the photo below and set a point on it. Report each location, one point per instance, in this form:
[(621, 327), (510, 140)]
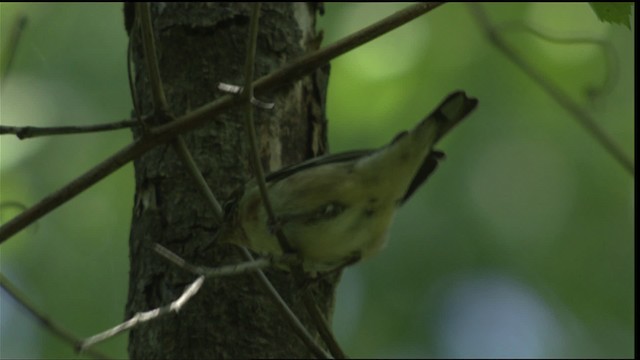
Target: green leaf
[(613, 12)]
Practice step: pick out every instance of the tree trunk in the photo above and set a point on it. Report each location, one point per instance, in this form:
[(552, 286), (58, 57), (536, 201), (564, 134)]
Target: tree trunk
[(200, 45)]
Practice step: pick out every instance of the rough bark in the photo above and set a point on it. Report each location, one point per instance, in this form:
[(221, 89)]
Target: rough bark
[(200, 45)]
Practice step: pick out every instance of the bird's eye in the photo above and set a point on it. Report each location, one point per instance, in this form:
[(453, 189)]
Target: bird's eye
[(329, 208), (332, 209), (325, 212)]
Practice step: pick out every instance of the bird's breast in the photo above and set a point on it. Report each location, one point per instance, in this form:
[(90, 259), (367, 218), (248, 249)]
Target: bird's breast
[(357, 232)]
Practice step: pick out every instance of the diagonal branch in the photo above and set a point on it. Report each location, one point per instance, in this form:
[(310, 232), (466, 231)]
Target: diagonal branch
[(188, 293), (161, 107), (608, 53), (143, 317), (48, 324), (9, 52), (321, 325), (235, 269), (185, 155), (583, 118), (25, 132), (295, 70), (249, 123), (253, 266), (288, 314)]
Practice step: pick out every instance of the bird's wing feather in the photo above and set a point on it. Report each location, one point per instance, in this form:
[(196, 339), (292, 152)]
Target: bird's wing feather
[(428, 166), (316, 161)]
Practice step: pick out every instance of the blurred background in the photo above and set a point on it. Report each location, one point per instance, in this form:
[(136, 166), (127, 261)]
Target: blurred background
[(520, 245)]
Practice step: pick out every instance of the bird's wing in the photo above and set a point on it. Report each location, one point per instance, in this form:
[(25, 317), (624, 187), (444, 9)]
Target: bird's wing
[(428, 166), (316, 161)]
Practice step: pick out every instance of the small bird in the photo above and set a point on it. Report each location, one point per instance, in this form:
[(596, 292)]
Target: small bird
[(336, 209)]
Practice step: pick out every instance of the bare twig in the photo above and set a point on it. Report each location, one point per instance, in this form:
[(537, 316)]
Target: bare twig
[(205, 113), (322, 325), (286, 312), (201, 183), (189, 292), (252, 266), (308, 63), (150, 55), (9, 52), (25, 132), (254, 156), (161, 108), (608, 52), (48, 324), (142, 317), (235, 269), (11, 204), (132, 86), (583, 117), (251, 130)]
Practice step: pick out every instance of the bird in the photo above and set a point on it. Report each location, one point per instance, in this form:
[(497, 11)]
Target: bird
[(336, 209)]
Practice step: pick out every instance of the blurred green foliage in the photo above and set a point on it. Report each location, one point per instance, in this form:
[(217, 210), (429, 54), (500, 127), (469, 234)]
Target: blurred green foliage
[(521, 245)]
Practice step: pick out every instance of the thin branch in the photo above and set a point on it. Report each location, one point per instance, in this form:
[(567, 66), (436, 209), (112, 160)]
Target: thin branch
[(582, 116), (252, 266), (17, 206), (51, 326), (286, 312), (132, 86), (251, 130), (306, 64), (317, 317), (608, 52), (25, 132), (161, 108), (201, 183), (11, 204), (254, 156), (142, 317), (235, 269), (10, 50), (150, 55), (322, 325), (189, 292), (198, 117)]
